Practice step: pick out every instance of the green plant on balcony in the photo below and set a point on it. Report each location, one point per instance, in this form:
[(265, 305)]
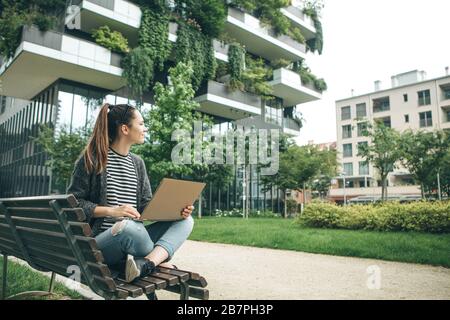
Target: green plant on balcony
[(138, 70), (269, 13), (312, 9), (154, 34), (236, 65), (256, 77), (210, 15), (280, 63), (196, 47), (307, 77), (16, 14), (112, 40)]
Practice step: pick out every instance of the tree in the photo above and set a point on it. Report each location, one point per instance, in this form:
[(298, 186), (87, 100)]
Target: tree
[(327, 170), (383, 152), (423, 154), (63, 150), (298, 165)]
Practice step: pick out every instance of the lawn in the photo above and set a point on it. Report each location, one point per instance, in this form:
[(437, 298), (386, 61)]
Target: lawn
[(423, 248), (22, 278)]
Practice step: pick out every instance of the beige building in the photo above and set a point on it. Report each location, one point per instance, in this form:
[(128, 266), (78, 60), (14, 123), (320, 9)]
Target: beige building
[(411, 103)]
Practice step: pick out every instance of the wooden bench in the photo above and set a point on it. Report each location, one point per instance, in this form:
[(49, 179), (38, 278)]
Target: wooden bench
[(50, 233)]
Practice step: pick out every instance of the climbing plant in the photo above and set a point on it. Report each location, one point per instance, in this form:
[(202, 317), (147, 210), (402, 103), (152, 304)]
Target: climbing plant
[(154, 35), (196, 47), (312, 8), (138, 70), (236, 65)]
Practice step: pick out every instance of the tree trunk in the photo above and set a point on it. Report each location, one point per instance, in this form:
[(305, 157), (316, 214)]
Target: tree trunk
[(422, 191), (285, 204), (200, 206)]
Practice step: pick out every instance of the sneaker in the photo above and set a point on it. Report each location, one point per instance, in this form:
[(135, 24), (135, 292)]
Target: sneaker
[(137, 267)]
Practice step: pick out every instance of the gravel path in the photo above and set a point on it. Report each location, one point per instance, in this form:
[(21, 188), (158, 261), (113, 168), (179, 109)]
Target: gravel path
[(237, 272)]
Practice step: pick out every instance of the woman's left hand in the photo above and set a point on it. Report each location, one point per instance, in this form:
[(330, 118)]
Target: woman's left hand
[(187, 211)]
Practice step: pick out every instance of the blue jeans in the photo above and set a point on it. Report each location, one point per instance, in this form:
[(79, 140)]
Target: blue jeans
[(132, 237)]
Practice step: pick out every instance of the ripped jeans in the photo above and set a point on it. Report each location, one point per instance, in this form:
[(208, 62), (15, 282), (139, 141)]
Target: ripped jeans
[(132, 237)]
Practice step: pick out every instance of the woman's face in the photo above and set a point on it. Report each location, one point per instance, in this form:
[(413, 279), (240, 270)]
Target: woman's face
[(137, 130)]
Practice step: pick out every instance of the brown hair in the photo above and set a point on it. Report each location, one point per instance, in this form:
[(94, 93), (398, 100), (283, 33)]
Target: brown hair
[(106, 129)]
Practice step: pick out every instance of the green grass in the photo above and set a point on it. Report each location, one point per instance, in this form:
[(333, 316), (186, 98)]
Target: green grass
[(410, 247), (21, 278)]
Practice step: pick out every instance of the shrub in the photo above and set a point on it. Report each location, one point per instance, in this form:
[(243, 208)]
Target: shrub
[(112, 40), (390, 216)]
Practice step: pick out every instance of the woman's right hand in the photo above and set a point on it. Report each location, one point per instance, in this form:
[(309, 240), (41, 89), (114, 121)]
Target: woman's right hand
[(125, 211)]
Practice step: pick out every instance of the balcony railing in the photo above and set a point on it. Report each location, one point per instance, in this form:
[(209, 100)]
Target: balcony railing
[(244, 17), (221, 90), (291, 124)]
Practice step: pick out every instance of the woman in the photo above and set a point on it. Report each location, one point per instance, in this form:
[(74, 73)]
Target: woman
[(112, 186)]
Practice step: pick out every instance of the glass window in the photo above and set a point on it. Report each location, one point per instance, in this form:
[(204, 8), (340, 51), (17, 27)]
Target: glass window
[(447, 112), (80, 110), (361, 110), (346, 113), (405, 98), (385, 121), (348, 169), (362, 129), (424, 97), (363, 168), (347, 150), (382, 104), (346, 131), (446, 93), (64, 117), (425, 119), (406, 118)]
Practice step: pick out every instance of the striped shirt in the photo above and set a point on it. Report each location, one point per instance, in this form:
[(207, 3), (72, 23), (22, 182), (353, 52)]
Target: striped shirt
[(121, 181)]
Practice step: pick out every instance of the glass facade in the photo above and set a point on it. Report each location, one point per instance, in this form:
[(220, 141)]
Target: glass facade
[(75, 106)]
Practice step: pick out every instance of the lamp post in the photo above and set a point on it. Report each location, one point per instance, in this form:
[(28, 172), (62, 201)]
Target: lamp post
[(343, 174)]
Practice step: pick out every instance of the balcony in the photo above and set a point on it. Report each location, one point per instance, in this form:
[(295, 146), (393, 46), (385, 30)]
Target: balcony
[(216, 99), (119, 15), (122, 16), (287, 85), (260, 40), (300, 20), (291, 127), (44, 57)]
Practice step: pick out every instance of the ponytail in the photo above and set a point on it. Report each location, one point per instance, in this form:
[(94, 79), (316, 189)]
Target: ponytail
[(98, 144), (105, 132)]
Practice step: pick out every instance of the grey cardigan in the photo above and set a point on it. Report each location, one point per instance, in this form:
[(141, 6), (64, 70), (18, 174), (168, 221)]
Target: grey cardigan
[(90, 189)]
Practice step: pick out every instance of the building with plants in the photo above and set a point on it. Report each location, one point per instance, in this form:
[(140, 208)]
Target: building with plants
[(413, 102), (60, 61)]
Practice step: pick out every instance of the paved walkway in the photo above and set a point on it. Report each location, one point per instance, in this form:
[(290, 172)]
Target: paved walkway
[(237, 272)]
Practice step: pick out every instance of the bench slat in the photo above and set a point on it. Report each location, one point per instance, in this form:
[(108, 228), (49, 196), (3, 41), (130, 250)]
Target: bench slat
[(198, 293), (78, 228), (147, 287), (84, 242), (159, 283), (174, 272), (65, 201), (134, 291), (72, 214), (105, 283), (171, 280), (63, 248)]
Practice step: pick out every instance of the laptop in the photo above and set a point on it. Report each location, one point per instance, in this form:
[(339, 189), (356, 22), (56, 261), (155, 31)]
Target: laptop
[(170, 198)]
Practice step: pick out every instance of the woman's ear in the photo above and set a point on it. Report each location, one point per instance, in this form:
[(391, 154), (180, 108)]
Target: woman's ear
[(124, 128)]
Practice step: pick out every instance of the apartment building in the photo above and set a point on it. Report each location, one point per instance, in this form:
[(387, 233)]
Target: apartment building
[(412, 102), (62, 76)]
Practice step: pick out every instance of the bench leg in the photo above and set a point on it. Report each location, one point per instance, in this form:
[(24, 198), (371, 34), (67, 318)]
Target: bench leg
[(5, 272), (52, 283), (184, 292)]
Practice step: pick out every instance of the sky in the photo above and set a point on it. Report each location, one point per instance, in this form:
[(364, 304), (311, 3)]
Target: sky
[(369, 40)]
